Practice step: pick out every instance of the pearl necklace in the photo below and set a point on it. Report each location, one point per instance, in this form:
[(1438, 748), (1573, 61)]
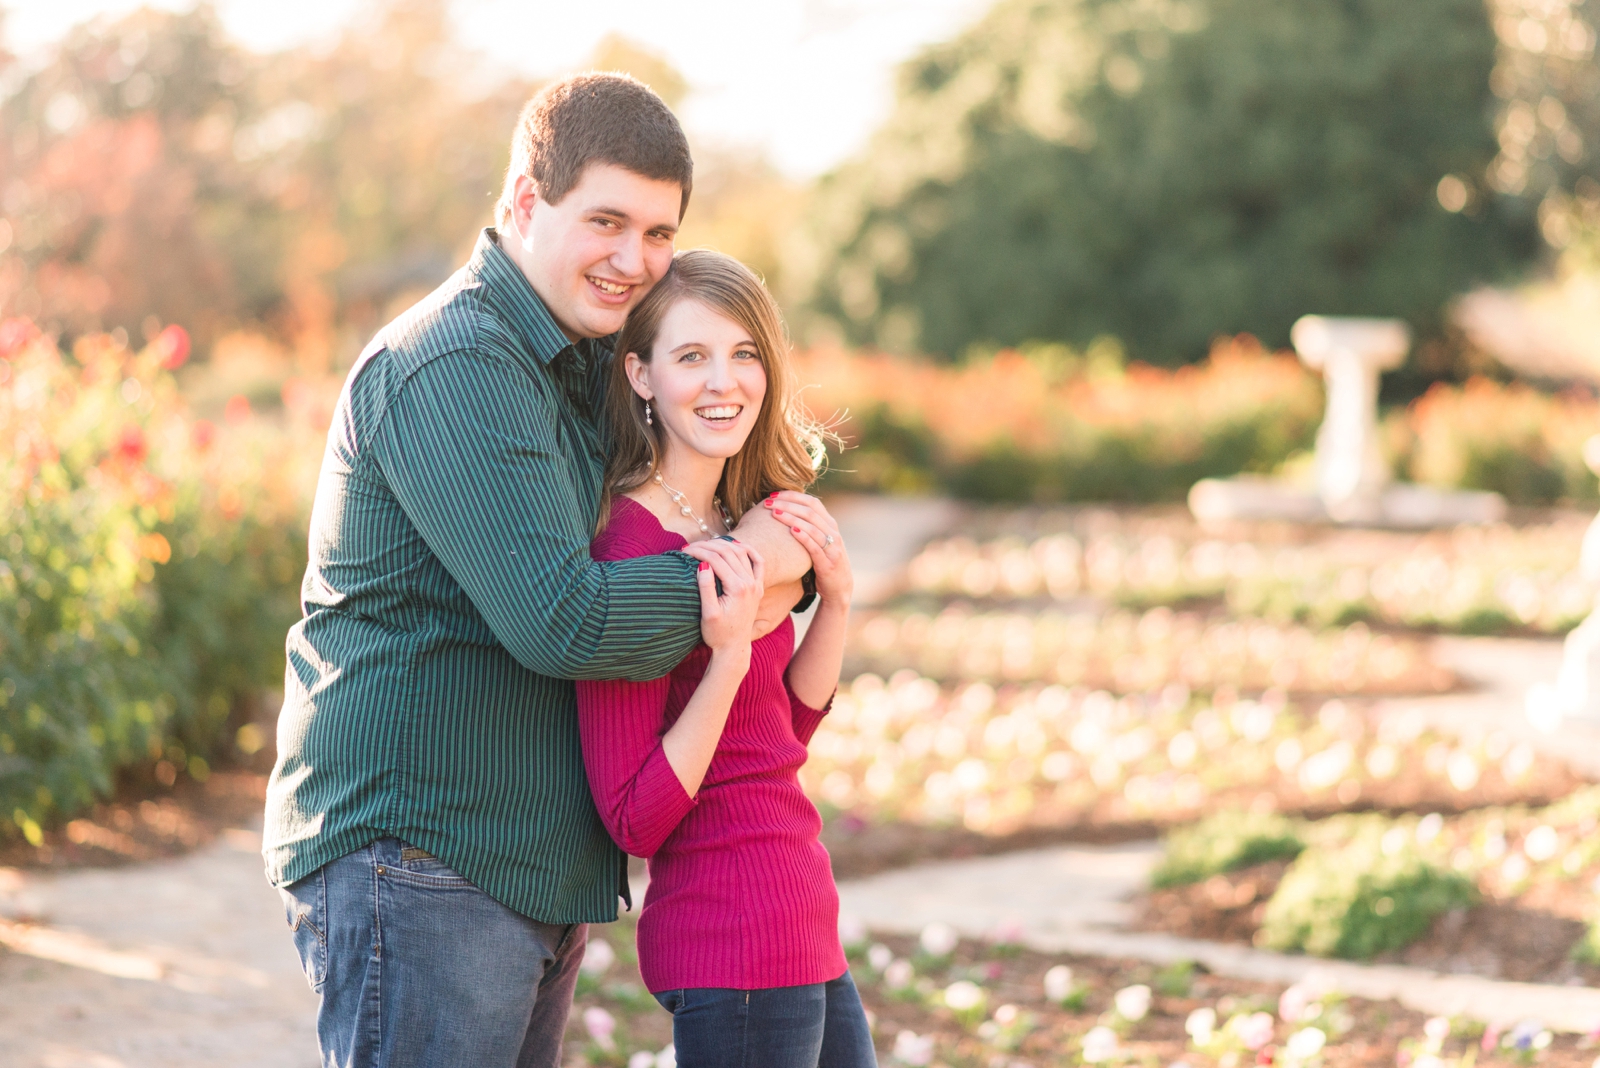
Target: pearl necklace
[(683, 506)]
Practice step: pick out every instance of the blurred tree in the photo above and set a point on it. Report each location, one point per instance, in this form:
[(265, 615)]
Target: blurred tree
[(615, 52), (1166, 171), (151, 167), (111, 161)]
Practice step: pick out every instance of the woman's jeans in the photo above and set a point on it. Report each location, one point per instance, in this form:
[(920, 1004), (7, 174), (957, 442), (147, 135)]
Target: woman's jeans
[(418, 967), (818, 1026)]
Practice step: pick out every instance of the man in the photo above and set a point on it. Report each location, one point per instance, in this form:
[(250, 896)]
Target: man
[(428, 822)]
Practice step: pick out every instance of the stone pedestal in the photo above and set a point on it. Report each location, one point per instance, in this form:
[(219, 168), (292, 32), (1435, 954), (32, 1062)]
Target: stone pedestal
[(1352, 482), (1576, 692)]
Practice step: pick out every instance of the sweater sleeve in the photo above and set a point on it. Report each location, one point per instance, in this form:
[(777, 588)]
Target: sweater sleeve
[(635, 789), (806, 719)]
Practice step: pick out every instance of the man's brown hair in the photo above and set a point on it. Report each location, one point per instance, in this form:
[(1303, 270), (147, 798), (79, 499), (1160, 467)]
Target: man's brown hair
[(785, 449), (595, 118)]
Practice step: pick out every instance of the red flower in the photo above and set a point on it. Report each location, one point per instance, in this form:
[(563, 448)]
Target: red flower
[(237, 409), (205, 432), (173, 344), (131, 445), (15, 335)]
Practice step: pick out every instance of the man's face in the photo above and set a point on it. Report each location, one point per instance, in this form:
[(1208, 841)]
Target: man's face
[(592, 256)]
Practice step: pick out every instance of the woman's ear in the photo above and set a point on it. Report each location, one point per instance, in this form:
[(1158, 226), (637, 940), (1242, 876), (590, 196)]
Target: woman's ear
[(638, 375)]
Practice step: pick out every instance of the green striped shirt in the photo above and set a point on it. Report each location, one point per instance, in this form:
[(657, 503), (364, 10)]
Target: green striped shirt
[(450, 600)]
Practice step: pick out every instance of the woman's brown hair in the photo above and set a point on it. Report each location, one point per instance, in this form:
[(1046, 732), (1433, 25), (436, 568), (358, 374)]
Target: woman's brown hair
[(785, 449)]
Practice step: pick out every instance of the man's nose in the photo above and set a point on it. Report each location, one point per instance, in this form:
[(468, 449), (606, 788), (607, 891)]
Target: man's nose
[(627, 257)]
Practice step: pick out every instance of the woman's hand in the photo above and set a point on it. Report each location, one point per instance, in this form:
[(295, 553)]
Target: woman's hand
[(818, 532), (726, 621)]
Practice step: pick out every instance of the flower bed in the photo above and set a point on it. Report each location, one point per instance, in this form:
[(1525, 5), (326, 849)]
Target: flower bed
[(1473, 579), (940, 1000), (1125, 651), (969, 762), (1535, 872)]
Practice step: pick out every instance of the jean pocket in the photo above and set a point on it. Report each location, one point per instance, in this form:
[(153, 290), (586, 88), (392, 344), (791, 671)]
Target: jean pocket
[(305, 906), (421, 868)]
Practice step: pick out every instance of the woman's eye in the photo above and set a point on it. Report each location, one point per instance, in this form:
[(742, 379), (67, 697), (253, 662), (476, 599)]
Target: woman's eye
[(747, 354)]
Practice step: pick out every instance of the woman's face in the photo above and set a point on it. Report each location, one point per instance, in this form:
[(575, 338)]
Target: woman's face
[(704, 381)]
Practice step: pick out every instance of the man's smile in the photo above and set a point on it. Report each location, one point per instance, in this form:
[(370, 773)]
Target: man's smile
[(616, 290)]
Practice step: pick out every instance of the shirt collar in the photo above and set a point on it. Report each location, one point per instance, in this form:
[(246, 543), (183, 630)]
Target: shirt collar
[(509, 291)]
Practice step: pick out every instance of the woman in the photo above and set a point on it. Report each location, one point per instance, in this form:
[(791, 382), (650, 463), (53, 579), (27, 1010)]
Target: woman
[(697, 771)]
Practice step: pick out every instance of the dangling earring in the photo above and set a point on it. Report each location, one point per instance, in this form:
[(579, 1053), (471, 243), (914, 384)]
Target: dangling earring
[(647, 420)]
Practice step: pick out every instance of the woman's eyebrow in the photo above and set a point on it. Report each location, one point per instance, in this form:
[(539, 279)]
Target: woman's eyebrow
[(746, 344)]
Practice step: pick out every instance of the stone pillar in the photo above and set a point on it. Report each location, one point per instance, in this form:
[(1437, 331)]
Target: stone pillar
[(1351, 353)]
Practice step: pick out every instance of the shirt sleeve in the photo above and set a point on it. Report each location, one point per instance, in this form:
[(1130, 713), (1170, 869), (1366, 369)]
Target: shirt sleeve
[(469, 448), (806, 719), (635, 789)]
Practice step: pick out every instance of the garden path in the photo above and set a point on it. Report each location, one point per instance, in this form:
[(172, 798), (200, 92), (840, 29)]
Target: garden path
[(177, 963), (1499, 672)]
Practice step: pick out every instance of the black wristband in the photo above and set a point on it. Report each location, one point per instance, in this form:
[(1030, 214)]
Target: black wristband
[(808, 583)]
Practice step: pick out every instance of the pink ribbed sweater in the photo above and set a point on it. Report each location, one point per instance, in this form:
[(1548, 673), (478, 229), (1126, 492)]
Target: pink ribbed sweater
[(741, 891)]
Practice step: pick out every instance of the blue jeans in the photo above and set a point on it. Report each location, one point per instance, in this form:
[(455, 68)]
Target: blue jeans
[(418, 967), (818, 1026)]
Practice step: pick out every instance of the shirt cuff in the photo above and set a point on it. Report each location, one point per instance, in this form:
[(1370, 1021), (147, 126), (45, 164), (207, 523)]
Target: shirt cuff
[(806, 718), (657, 805)]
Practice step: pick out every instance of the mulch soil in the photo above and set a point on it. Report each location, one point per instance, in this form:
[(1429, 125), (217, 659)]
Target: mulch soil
[(146, 821), (1516, 940)]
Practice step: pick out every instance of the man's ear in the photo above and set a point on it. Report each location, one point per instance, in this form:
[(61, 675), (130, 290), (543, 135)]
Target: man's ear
[(524, 195), (638, 375)]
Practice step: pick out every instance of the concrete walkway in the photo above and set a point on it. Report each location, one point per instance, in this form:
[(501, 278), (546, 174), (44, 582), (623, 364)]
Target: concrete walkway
[(178, 964)]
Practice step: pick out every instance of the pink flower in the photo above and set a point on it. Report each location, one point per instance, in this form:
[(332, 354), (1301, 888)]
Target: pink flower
[(1255, 1030), (600, 1024), (173, 344)]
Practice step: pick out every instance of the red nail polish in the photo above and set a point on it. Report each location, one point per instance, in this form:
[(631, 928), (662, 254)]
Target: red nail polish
[(795, 529), (704, 566), (771, 495)]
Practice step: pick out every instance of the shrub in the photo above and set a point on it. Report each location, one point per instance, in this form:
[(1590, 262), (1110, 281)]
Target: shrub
[(1511, 439), (148, 562), (1363, 889), (1225, 842), (1052, 425)]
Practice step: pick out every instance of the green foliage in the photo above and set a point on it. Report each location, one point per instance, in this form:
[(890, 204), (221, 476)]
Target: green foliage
[(140, 599), (1363, 888), (1225, 842), (1167, 172)]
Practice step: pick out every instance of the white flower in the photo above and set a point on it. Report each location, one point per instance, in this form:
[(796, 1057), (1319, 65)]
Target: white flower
[(898, 975), (1006, 1015), (668, 1057), (1437, 1029), (1100, 1044), (1201, 1024), (1133, 1002), (912, 1049), (963, 995), (642, 1059), (1306, 1043), (879, 956), (600, 1024), (852, 931), (939, 939), (1542, 843), (1058, 983), (598, 957)]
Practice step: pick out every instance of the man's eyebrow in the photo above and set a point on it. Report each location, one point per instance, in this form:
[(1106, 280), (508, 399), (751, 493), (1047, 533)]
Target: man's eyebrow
[(618, 213)]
